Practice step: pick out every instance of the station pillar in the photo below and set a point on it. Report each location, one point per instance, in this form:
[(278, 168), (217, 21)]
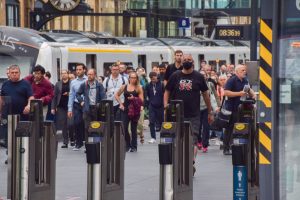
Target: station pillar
[(265, 99)]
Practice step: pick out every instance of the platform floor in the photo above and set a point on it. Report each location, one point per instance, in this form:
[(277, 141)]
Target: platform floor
[(212, 181)]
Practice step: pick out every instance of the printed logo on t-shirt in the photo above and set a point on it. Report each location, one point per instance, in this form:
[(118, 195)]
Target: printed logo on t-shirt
[(185, 84)]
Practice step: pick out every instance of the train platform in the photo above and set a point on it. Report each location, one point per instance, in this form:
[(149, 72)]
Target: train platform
[(213, 178)]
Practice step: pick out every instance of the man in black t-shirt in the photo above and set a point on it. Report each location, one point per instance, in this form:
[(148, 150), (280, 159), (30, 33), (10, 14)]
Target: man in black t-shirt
[(19, 91), (174, 66), (59, 105), (186, 85), (15, 98)]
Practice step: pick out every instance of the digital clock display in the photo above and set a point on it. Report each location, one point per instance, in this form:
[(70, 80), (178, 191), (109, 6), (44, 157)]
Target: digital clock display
[(229, 32)]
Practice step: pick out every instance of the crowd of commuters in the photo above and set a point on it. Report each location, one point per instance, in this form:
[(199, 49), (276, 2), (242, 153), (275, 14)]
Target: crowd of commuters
[(72, 100)]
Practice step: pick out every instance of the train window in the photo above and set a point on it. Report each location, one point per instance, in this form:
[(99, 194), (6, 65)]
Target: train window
[(200, 59), (24, 62), (154, 64), (222, 62), (72, 67), (241, 61), (212, 63), (142, 61), (232, 58), (58, 68), (91, 61)]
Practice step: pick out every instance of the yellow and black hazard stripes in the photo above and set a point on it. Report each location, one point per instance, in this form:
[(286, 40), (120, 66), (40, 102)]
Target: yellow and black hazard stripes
[(265, 69), (265, 148), (265, 93)]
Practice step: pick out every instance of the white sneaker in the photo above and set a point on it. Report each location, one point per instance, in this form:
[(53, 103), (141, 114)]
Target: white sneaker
[(151, 141)]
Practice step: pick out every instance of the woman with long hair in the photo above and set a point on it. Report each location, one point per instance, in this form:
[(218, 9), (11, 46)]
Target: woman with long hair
[(133, 101)]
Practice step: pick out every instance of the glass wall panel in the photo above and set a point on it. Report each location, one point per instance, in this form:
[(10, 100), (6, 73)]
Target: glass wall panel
[(168, 28), (221, 4), (169, 4), (137, 4), (289, 102), (12, 15), (196, 4)]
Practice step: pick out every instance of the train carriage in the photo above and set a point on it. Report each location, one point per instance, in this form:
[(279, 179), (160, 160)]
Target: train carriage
[(57, 51)]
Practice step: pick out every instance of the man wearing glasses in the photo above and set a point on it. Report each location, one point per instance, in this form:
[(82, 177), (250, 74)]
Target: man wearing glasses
[(111, 85)]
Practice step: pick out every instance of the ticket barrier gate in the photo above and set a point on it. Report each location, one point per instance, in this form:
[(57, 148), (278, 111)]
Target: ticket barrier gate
[(105, 153), (245, 154), (32, 152), (176, 155)]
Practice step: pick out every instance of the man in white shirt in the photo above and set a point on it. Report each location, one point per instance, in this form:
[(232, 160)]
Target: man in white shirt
[(112, 84)]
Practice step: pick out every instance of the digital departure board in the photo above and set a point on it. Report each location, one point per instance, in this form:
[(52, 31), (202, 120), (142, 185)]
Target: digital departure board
[(229, 33)]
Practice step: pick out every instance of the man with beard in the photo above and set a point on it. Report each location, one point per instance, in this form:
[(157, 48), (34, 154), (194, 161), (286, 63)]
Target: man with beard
[(74, 107), (186, 85), (59, 106), (162, 71), (89, 94), (177, 65)]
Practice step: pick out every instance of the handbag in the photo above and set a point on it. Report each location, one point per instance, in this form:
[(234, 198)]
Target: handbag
[(222, 118)]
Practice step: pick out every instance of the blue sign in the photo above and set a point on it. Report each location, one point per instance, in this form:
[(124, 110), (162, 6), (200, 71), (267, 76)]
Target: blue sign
[(184, 23), (240, 185)]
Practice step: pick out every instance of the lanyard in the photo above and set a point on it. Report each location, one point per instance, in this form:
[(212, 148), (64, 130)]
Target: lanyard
[(115, 83), (154, 89)]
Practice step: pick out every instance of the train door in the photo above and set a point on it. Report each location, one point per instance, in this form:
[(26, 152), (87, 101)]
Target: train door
[(91, 61), (142, 61), (56, 65)]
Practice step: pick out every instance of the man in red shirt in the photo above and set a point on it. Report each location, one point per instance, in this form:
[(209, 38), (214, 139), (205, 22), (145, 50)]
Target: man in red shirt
[(41, 87)]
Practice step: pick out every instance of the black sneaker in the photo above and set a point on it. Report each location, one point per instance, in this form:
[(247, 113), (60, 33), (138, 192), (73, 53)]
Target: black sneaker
[(64, 146), (72, 144), (133, 150), (6, 162)]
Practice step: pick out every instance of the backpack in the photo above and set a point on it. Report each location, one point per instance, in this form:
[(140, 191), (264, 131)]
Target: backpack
[(106, 85)]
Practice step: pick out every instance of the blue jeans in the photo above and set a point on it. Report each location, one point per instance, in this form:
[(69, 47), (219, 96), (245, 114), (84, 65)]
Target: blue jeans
[(203, 136), (78, 124)]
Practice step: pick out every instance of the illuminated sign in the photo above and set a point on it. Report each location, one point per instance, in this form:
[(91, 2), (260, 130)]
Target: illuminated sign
[(184, 23), (229, 32)]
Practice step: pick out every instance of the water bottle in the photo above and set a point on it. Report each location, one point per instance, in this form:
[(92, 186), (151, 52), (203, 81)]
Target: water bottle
[(246, 89)]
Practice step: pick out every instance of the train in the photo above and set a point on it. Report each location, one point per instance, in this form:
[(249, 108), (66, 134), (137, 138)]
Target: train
[(57, 50)]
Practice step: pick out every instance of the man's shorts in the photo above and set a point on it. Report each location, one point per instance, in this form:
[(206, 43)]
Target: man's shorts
[(195, 127)]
